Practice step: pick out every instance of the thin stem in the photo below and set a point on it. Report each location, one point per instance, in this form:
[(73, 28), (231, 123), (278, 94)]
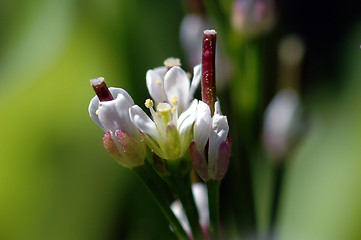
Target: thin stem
[(180, 183), (277, 188), (213, 205), (191, 210), (159, 196)]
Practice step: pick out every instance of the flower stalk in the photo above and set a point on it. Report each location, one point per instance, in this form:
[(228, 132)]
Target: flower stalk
[(213, 203), (177, 176), (158, 190)]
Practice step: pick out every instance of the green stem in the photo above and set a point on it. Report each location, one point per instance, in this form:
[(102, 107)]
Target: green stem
[(213, 205), (190, 208), (159, 195), (180, 183)]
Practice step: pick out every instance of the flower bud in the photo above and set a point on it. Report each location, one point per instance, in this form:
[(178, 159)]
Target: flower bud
[(253, 17), (282, 123), (210, 151), (124, 149)]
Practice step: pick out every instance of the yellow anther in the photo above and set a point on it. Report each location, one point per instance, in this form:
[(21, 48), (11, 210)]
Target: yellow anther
[(148, 103), (173, 110), (174, 100), (97, 112), (189, 75), (171, 62), (158, 82)]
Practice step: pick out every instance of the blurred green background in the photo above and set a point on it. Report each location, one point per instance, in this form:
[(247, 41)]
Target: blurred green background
[(58, 182)]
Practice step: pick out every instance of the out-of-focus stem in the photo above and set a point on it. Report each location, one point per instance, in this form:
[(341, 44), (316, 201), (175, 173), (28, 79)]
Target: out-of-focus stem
[(150, 181), (213, 203)]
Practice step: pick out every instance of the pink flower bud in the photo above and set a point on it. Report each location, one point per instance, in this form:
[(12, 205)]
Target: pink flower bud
[(124, 149)]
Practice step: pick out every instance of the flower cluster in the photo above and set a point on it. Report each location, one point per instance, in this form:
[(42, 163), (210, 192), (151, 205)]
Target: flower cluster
[(176, 121)]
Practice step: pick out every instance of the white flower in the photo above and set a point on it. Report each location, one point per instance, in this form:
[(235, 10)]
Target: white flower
[(211, 137), (122, 138), (172, 86), (169, 133)]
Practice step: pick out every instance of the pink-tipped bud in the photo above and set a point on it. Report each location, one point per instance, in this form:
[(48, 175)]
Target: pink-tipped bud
[(124, 149), (101, 89), (209, 68), (224, 155), (201, 163)]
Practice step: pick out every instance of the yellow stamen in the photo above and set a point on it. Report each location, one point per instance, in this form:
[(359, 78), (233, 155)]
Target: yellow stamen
[(174, 100), (173, 110), (97, 112), (148, 103), (158, 82), (171, 62)]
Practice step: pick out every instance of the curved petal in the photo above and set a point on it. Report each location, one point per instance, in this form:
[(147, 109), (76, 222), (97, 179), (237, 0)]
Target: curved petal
[(202, 126), (141, 120), (93, 108), (199, 161), (116, 91), (114, 115), (155, 84), (187, 118), (218, 135), (200, 194), (217, 107), (197, 75), (176, 84)]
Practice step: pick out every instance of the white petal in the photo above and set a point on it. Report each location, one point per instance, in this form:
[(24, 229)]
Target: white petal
[(176, 84), (187, 118), (218, 135), (93, 108), (202, 126), (217, 107), (200, 194), (115, 91), (155, 84), (178, 210), (143, 122), (94, 105), (114, 115), (197, 75)]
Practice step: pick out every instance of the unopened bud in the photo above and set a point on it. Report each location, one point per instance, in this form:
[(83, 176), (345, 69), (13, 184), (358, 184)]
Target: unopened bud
[(253, 17), (127, 151), (201, 163)]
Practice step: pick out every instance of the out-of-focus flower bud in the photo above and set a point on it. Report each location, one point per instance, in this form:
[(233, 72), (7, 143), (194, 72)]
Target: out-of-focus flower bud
[(282, 124), (253, 17)]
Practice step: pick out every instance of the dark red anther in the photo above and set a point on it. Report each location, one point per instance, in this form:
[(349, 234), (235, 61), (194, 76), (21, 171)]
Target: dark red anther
[(209, 68), (101, 89)]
